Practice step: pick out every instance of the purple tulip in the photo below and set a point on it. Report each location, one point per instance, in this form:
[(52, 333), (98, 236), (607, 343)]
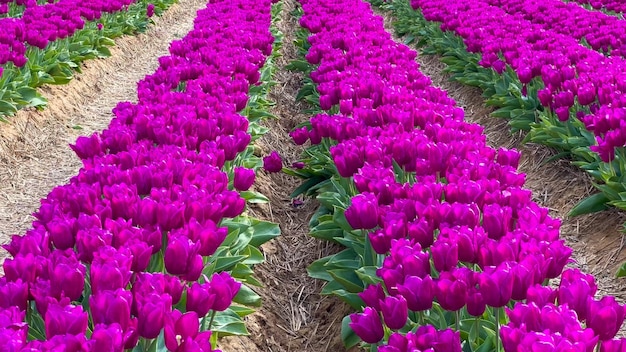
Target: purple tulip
[(150, 10), (273, 162), (605, 316), (181, 258), (106, 338), (67, 274), (363, 212), (200, 299), (151, 313), (496, 285), (13, 294), (65, 319), (418, 292), (111, 307), (299, 135), (179, 328), (372, 296), (394, 311), (575, 289), (224, 288), (110, 269), (451, 292), (367, 325), (243, 179), (445, 254)]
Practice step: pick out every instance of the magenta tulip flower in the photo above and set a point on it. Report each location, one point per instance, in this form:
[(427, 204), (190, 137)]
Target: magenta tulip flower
[(243, 178), (367, 325), (273, 162)]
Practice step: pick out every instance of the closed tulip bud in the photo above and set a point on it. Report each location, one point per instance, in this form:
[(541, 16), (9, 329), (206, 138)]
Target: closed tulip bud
[(451, 292), (141, 254), (496, 285), (363, 212), (418, 292), (67, 275), (475, 302), (367, 325), (299, 135), (109, 307), (13, 294), (87, 147), (106, 338), (224, 288), (89, 241), (445, 254), (525, 75), (541, 295), (199, 298), (562, 113), (208, 235), (616, 345), (605, 316), (508, 157), (243, 178), (151, 312), (586, 94), (273, 162), (545, 97), (372, 296), (61, 233), (379, 241), (574, 290), (110, 269), (395, 312), (65, 319), (150, 10), (181, 257)]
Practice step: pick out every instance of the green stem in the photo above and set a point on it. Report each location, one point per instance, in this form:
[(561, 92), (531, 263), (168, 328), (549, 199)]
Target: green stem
[(213, 312), (497, 311), (458, 320), (476, 327)]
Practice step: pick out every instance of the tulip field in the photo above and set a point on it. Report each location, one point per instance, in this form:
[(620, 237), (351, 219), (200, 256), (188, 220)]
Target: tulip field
[(288, 178)]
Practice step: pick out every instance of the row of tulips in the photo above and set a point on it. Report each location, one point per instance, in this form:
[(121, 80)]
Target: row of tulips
[(616, 6), (570, 72), (604, 33), (544, 105), (45, 43), (41, 24), (146, 247), (440, 234)]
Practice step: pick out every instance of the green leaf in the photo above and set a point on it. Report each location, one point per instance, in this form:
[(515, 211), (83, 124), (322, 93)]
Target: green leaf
[(349, 338), (263, 231), (241, 311), (318, 269), (254, 197), (247, 297), (348, 279), (227, 263), (368, 275), (591, 204), (228, 323)]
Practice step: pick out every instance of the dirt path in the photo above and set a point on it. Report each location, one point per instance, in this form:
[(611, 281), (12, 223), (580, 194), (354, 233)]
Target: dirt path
[(294, 317), (596, 239), (34, 152)]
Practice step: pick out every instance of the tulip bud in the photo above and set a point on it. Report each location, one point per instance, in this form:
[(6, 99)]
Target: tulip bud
[(110, 269), (109, 307), (372, 296), (181, 257), (367, 325), (445, 254), (243, 178), (106, 338), (300, 135), (395, 312), (605, 316), (273, 162), (418, 292), (363, 212), (574, 290), (151, 312), (150, 10), (496, 285), (224, 288), (13, 294), (180, 329), (199, 298), (65, 319)]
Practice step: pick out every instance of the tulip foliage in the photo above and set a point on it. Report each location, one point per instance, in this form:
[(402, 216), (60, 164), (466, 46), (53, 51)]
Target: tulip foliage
[(45, 43), (445, 250), (147, 247)]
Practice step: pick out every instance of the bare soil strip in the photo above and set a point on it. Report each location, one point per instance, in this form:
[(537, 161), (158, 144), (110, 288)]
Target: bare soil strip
[(294, 317), (34, 152)]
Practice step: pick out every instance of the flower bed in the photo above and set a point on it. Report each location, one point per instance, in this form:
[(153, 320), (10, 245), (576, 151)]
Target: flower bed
[(440, 235), (146, 247), (46, 44)]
